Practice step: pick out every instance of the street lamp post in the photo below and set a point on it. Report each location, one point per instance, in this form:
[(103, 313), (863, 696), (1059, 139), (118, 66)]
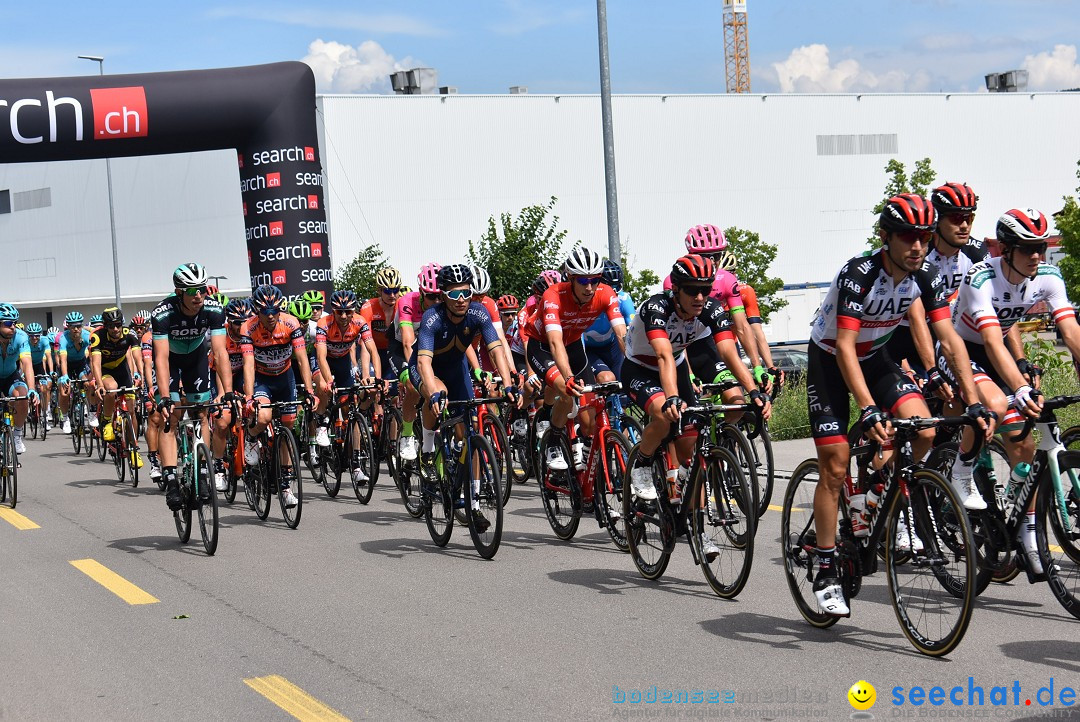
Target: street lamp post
[(112, 214), (614, 242)]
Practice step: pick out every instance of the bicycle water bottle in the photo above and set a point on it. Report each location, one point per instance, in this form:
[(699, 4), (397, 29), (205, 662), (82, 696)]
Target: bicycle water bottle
[(873, 497), (1017, 478), (578, 448), (674, 492), (857, 504)]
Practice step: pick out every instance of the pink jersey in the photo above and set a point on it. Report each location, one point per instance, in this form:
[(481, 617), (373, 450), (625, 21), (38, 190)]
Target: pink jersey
[(725, 288), (410, 310)]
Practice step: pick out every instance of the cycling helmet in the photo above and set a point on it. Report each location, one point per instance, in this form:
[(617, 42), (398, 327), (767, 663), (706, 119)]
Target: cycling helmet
[(189, 275), (212, 290), (1026, 225), (33, 328), (221, 298), (428, 278), (73, 318), (315, 298), (238, 310), (583, 262), (113, 315), (907, 212), (693, 268), (140, 319), (343, 300), (541, 284), (96, 320), (552, 277), (508, 303), (267, 299), (21, 326), (954, 197), (388, 278), (613, 274), (481, 280), (726, 260), (8, 312), (705, 239), (53, 330), (301, 309), (454, 275)]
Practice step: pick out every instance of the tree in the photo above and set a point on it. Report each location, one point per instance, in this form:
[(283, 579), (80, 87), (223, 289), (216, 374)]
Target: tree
[(515, 250), (919, 182), (359, 273), (755, 257), (1068, 224)]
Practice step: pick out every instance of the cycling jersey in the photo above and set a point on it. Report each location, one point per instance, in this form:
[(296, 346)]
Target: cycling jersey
[(272, 348), (18, 347), (445, 341), (55, 340), (75, 352), (601, 334), (560, 311), (338, 341), (750, 303), (864, 298), (112, 353), (725, 289), (374, 315), (187, 334), (987, 300), (37, 350), (952, 269), (409, 311), (658, 318), (514, 333), (236, 355)]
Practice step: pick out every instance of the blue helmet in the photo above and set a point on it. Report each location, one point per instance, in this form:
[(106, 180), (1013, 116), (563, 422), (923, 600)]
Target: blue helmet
[(73, 318), (8, 312), (33, 328)]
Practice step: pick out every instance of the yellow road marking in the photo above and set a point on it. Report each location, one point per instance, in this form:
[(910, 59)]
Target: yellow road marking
[(1055, 548), (17, 520), (113, 582), (292, 699), (774, 507)]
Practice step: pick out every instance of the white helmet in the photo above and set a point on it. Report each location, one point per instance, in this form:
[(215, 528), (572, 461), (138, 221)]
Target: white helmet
[(583, 262), (481, 280), (189, 275)]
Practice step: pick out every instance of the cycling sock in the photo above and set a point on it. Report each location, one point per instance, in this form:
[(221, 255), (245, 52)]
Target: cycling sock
[(644, 461), (1026, 533), (961, 470), (475, 494), (825, 556), (429, 441), (406, 428)]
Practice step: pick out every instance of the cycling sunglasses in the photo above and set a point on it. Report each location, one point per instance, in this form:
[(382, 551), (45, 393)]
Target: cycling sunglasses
[(960, 217), (391, 291), (7, 324), (460, 294), (589, 280), (694, 291), (1030, 249), (114, 325), (197, 290)]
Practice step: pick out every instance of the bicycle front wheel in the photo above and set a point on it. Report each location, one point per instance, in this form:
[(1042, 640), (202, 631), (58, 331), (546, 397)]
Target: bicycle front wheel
[(287, 456), (559, 488), (495, 433), (1059, 548), (723, 524), (259, 478), (735, 441), (765, 463), (438, 510), (648, 526), (484, 500), (361, 459), (9, 470), (206, 498), (608, 489), (518, 434), (933, 594), (798, 539), (131, 450)]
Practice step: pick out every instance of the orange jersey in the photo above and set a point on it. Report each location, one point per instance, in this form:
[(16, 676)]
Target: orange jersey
[(338, 341), (375, 315), (236, 354), (558, 310), (749, 300), (272, 348)]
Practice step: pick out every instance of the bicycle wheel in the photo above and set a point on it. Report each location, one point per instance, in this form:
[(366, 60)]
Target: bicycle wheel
[(631, 428), (231, 479), (208, 507), (117, 444), (798, 539), (438, 510), (484, 501), (407, 479), (607, 489), (32, 421), (1059, 549), (735, 441), (182, 516), (361, 457), (131, 451), (102, 446), (261, 474), (318, 466), (391, 430), (520, 461), (9, 470), (649, 528), (559, 488), (764, 462), (288, 455), (724, 529), (495, 433), (934, 594)]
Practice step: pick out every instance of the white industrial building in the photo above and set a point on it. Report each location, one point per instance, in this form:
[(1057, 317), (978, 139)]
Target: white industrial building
[(420, 175)]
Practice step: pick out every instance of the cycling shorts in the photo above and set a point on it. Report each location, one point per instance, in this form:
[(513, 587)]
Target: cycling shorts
[(543, 363), (121, 375), (8, 384), (190, 372), (277, 388), (642, 384), (901, 347), (705, 362), (984, 372), (454, 376), (607, 357)]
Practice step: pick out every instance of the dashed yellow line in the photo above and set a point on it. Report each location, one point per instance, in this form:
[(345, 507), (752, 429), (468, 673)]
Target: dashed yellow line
[(113, 582), (16, 519), (774, 507), (292, 699), (1055, 548)]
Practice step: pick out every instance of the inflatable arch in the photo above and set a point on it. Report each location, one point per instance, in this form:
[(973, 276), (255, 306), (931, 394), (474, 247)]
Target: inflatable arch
[(265, 112)]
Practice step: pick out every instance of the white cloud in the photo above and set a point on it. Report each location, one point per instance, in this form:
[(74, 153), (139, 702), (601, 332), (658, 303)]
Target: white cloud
[(1056, 70), (809, 70), (341, 68)]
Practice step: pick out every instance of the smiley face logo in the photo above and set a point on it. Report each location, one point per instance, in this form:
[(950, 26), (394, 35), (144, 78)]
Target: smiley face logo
[(862, 695)]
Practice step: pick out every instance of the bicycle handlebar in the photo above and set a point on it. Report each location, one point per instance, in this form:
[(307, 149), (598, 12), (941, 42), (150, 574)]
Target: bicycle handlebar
[(1050, 405)]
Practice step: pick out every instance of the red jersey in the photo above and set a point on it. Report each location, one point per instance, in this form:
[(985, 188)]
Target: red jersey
[(375, 315), (272, 348), (558, 310), (338, 341), (236, 354)]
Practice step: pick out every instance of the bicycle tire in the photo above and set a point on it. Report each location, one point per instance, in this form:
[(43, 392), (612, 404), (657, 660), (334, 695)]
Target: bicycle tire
[(360, 440), (262, 473), (9, 495), (764, 460), (631, 428), (407, 479), (101, 444), (559, 488), (729, 500), (735, 441), (391, 420), (32, 421), (88, 441), (1058, 557), (182, 516), (648, 525), (290, 450), (231, 480), (798, 539), (608, 487), (487, 500), (929, 495), (495, 433), (208, 508), (375, 464), (131, 452), (438, 511), (520, 462)]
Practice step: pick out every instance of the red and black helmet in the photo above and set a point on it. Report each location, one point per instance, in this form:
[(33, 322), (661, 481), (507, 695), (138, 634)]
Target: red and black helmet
[(693, 268), (907, 212), (508, 303), (1026, 225), (953, 198)]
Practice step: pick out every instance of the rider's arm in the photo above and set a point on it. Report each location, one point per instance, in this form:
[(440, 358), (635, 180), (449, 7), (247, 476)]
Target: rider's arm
[(848, 360), (665, 359), (920, 334), (27, 364), (1014, 343), (220, 350), (95, 367), (161, 365), (952, 346)]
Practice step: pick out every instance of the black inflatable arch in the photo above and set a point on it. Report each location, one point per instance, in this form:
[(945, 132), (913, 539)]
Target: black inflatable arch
[(265, 112)]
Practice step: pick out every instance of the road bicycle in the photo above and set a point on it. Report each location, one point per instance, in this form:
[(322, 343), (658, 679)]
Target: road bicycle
[(265, 477), (9, 460), (195, 474), (125, 444)]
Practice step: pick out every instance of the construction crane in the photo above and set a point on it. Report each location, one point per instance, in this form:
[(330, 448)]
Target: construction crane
[(736, 47)]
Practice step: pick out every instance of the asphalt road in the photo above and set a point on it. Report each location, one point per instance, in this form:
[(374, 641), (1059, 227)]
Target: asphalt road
[(357, 611)]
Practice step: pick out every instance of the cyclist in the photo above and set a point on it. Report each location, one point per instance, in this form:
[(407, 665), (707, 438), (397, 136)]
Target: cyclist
[(379, 314), (410, 310), (16, 369), (237, 311), (753, 317), (188, 327), (481, 288), (42, 361), (74, 346), (154, 421), (847, 357), (271, 342), (601, 343), (437, 367), (114, 356), (657, 372), (555, 347), (994, 295), (317, 299)]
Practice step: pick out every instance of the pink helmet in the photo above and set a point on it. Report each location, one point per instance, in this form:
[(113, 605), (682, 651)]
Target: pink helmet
[(553, 277), (705, 239), (428, 279)]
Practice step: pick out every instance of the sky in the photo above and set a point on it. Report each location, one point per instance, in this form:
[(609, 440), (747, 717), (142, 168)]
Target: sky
[(550, 46)]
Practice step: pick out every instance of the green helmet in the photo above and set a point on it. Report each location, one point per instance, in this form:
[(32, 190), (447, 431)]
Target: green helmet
[(302, 309), (315, 298), (221, 298)]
